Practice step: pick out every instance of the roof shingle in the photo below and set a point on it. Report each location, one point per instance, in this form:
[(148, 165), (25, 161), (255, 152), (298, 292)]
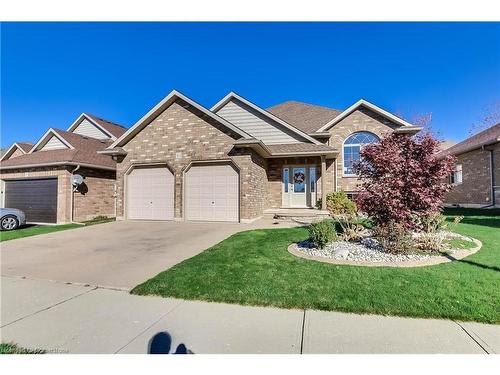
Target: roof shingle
[(115, 129), (85, 152), (489, 135), (306, 117), (298, 147), (26, 146)]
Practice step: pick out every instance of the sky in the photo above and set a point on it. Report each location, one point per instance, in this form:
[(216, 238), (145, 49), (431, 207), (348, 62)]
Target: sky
[(52, 72)]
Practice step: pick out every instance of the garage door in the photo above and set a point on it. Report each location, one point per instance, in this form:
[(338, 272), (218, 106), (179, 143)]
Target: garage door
[(150, 194), (212, 193), (37, 198)]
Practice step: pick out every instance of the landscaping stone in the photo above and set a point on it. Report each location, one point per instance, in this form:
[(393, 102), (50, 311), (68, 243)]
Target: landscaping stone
[(370, 252), (357, 252)]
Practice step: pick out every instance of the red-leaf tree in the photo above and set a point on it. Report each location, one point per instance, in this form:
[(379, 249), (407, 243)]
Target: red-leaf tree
[(402, 179)]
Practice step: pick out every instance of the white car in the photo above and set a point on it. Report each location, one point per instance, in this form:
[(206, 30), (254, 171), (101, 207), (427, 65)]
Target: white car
[(11, 218)]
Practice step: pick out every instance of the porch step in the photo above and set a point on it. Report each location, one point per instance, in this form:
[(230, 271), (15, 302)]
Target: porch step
[(296, 213)]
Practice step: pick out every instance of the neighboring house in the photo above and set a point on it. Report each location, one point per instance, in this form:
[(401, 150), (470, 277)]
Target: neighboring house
[(444, 145), (38, 178), (476, 177), (182, 161)]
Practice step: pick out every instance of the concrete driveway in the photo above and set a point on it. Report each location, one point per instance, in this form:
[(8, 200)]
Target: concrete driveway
[(115, 255)]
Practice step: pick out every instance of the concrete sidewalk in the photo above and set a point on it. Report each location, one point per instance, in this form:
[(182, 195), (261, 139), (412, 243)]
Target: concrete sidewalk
[(67, 318)]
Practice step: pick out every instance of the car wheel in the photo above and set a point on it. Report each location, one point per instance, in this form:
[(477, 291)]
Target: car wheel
[(9, 222)]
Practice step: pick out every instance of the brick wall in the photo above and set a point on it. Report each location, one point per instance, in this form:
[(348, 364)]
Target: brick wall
[(63, 185), (275, 176), (182, 134), (362, 119), (475, 189), (95, 196)]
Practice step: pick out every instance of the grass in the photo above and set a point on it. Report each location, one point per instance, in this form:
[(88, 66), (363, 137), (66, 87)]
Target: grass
[(14, 349), (255, 268), (34, 230), (460, 244)]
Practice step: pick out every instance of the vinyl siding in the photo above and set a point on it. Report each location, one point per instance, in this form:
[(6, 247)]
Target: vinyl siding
[(53, 143), (87, 129), (257, 125)]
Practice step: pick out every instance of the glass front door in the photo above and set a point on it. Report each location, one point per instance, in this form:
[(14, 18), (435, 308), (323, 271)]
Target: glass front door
[(299, 186)]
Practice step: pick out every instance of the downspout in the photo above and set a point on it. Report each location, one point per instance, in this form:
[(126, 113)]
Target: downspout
[(492, 177), (72, 196)]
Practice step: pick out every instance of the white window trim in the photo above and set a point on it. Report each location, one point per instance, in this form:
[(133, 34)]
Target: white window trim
[(455, 170), (354, 144)]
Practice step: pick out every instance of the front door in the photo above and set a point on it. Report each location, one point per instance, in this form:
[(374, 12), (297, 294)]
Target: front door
[(298, 197), (299, 186)]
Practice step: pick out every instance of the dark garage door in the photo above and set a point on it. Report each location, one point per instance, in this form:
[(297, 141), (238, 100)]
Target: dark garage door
[(37, 198)]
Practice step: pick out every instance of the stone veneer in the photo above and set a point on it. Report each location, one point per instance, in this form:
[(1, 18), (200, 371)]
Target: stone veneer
[(362, 119), (96, 196), (181, 135), (275, 176)]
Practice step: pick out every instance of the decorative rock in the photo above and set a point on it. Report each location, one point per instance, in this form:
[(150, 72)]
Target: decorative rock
[(341, 253), (356, 252), (370, 242)]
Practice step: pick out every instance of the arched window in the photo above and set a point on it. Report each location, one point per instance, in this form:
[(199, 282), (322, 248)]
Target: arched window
[(352, 146)]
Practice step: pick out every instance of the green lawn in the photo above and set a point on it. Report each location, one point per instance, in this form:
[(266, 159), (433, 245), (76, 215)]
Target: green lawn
[(42, 229), (33, 231), (254, 268), (14, 349)]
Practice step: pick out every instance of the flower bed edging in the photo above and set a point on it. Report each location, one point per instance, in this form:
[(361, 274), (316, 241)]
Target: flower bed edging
[(439, 259)]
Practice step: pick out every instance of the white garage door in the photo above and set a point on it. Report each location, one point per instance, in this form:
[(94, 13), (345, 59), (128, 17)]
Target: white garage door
[(150, 194), (212, 193)]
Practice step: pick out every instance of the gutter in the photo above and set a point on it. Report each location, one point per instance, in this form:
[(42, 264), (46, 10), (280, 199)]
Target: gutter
[(408, 130), (72, 198), (470, 148), (492, 176), (267, 153), (57, 164)]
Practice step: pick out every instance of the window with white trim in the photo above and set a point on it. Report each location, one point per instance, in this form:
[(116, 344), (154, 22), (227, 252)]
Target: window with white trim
[(352, 148), (456, 176)]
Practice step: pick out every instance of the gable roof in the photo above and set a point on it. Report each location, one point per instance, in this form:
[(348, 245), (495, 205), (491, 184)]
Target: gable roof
[(233, 95), (24, 147), (46, 137), (161, 106), (406, 126), (306, 117), (112, 129), (83, 151), (484, 138)]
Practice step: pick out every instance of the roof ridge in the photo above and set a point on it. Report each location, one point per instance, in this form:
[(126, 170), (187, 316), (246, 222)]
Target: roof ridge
[(102, 119), (304, 103)]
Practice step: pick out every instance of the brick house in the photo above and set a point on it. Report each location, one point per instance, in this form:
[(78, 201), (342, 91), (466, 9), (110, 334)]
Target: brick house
[(38, 178), (476, 177), (234, 161)]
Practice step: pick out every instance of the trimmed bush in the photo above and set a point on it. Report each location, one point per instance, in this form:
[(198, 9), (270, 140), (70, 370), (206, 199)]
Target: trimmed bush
[(339, 204), (322, 233)]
